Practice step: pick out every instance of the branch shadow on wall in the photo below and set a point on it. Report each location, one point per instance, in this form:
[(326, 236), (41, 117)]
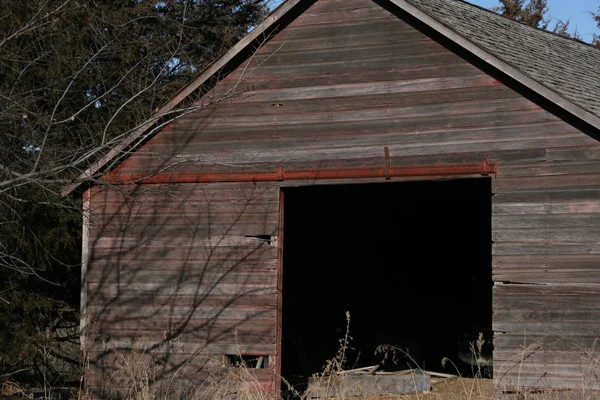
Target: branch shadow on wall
[(181, 281)]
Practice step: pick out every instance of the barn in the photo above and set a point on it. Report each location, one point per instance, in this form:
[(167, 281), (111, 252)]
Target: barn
[(427, 166)]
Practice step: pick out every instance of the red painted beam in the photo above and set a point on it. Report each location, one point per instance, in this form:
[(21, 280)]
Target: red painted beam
[(483, 168)]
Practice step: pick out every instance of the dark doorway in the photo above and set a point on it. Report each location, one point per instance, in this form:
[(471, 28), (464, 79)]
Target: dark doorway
[(410, 261)]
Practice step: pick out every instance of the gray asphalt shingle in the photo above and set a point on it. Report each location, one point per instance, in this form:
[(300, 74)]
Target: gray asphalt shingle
[(569, 68)]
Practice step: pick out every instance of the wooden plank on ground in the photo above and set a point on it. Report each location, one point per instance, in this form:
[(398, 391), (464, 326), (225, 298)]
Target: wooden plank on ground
[(365, 385)]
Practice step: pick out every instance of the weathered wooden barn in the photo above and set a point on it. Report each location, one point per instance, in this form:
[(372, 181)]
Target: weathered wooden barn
[(427, 165)]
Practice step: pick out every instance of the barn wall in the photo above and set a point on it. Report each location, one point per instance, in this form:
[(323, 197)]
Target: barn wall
[(336, 86), (179, 274)]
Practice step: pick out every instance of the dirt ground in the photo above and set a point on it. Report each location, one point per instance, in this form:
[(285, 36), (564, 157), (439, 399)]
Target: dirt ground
[(448, 389), (458, 389)]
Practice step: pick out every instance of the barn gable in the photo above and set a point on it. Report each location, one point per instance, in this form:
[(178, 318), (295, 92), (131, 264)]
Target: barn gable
[(348, 92), (565, 67)]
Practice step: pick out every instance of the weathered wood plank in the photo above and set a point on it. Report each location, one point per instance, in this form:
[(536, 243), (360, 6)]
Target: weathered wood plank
[(547, 275), (182, 288), (347, 66), (548, 181), (127, 311), (333, 5), (549, 295), (546, 268), (183, 194), (283, 56), (177, 276), (219, 240), (551, 168), (548, 209), (591, 152), (304, 108), (196, 325), (285, 42), (540, 315), (244, 82), (557, 261), (122, 221), (545, 248), (197, 253), (534, 374), (372, 113), (199, 264), (210, 300), (565, 363), (207, 229), (553, 198), (320, 20), (385, 26), (363, 89), (562, 302), (362, 12), (551, 328), (582, 234), (121, 212), (548, 220)]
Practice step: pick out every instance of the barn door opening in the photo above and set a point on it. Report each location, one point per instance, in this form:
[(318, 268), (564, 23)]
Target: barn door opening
[(410, 262)]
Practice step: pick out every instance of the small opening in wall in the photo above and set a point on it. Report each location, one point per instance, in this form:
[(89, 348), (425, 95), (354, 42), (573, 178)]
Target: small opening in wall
[(245, 361), (268, 239)]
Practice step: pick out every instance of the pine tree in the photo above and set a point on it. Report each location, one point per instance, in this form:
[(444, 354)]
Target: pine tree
[(75, 76), (532, 12)]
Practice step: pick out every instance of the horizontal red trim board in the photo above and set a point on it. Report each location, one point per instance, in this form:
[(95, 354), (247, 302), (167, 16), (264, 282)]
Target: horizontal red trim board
[(388, 171)]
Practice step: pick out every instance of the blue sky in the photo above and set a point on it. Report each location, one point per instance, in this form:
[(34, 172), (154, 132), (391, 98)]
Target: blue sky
[(576, 10)]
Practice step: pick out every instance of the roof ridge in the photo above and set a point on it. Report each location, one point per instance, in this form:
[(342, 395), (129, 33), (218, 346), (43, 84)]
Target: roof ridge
[(546, 31), (563, 67)]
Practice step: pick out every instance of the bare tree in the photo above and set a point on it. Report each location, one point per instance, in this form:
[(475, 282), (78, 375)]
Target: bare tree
[(596, 16), (76, 79), (562, 28)]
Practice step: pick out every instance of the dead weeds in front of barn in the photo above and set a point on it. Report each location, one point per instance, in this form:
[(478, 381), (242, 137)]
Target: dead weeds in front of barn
[(338, 382)]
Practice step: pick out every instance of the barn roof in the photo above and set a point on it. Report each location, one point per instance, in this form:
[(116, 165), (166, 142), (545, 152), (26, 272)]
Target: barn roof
[(568, 67), (563, 71)]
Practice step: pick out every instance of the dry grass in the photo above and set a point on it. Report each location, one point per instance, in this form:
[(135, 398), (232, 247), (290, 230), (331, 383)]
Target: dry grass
[(237, 383), (135, 373), (11, 388), (454, 388)]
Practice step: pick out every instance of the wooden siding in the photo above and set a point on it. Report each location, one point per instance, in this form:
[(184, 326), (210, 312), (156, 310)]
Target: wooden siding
[(336, 86), (178, 273)]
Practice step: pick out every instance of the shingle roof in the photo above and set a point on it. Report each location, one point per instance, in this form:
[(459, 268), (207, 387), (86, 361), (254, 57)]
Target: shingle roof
[(569, 68)]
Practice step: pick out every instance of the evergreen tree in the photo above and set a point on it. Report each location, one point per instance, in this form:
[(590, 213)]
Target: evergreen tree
[(532, 12), (535, 13), (75, 77)]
